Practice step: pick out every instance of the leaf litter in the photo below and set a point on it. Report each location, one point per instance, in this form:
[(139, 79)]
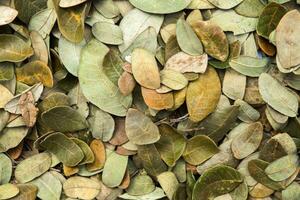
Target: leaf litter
[(149, 99)]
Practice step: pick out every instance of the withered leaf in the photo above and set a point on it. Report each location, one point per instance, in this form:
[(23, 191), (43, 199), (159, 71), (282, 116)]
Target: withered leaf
[(157, 101)]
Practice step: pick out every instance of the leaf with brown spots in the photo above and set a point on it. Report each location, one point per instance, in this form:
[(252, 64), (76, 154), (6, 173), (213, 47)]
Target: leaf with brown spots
[(203, 95), (35, 72), (213, 39)]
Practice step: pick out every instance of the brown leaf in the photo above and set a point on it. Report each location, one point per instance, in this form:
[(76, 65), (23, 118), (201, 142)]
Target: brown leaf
[(266, 46), (157, 100), (126, 181), (119, 135), (126, 83), (213, 39), (28, 110), (98, 149)]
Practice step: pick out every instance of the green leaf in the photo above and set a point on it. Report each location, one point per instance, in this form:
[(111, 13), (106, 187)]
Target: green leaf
[(13, 48), (287, 40), (277, 96), (250, 66), (171, 144), (247, 140), (69, 53), (141, 185), (32, 167), (5, 169), (86, 150), (203, 95), (292, 192), (64, 119), (256, 169), (102, 124), (269, 19), (168, 182), (140, 129), (43, 22), (49, 186), (70, 21), (246, 112), (70, 3), (187, 39), (240, 193), (250, 8), (6, 71), (173, 79), (27, 192), (107, 95), (213, 39), (107, 33), (160, 7), (234, 84), (28, 8), (225, 4), (198, 149), (142, 22), (8, 191), (158, 193), (107, 8), (145, 40), (282, 168), (11, 137), (114, 169), (216, 181), (230, 21), (67, 151), (151, 160), (81, 188)]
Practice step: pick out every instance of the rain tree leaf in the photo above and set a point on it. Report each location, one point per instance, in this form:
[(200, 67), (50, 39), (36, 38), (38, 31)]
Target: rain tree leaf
[(5, 169), (142, 22), (183, 63), (49, 186), (287, 33), (198, 149), (35, 72), (98, 149), (151, 161), (158, 193), (6, 71), (32, 167), (107, 33), (6, 96), (187, 39), (203, 95), (13, 48), (145, 69), (8, 191), (248, 140), (107, 96), (64, 119), (141, 185), (168, 182), (171, 144), (102, 124), (43, 22), (69, 53), (114, 169), (216, 181), (231, 21), (28, 8), (277, 96), (213, 39), (140, 129), (7, 15), (11, 137), (269, 19), (80, 187), (225, 4), (70, 21), (282, 168), (27, 192), (67, 151), (249, 66), (160, 7)]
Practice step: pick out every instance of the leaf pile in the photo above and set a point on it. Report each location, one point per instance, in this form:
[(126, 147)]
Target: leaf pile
[(149, 99)]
